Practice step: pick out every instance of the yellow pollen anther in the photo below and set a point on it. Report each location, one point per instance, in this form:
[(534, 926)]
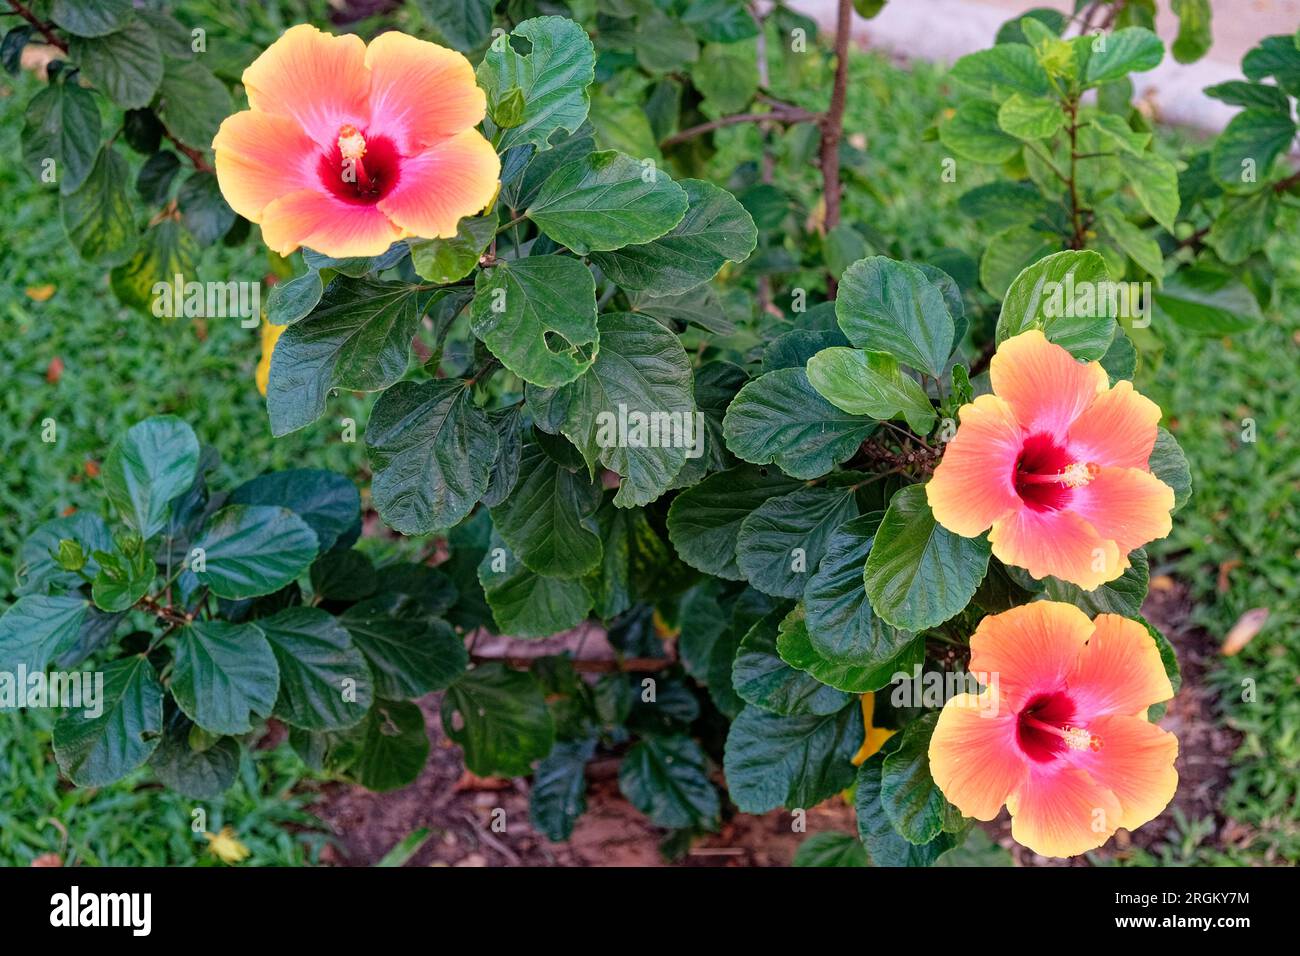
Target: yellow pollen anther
[(1076, 738), (351, 143), (1079, 474)]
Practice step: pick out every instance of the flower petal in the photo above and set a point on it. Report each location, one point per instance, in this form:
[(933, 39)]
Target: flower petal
[(1059, 543), (261, 157), (972, 486), (317, 79), (442, 185), (973, 757), (420, 93), (1136, 763), (1129, 506), (1029, 650), (1120, 671), (1118, 429), (1062, 811), (1044, 384), (326, 224)]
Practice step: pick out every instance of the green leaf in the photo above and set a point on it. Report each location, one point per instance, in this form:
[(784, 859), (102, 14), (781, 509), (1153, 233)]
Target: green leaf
[(884, 846), (1243, 227), (796, 649), (1169, 658), (888, 306), (783, 540), (62, 124), (126, 65), (762, 678), (548, 518), (91, 18), (344, 575), (633, 410), (1155, 183), (538, 316), (325, 682), (727, 75), (667, 779), (500, 719), (1009, 253), (1030, 118), (199, 774), (388, 749), (1207, 301), (124, 577), (708, 643), (94, 751), (154, 462), (409, 655), (250, 550), (919, 574), (1115, 55), (1244, 152), (842, 627), (223, 674), (798, 762), (38, 568), (444, 261), (293, 299), (165, 252), (704, 521), (36, 627), (553, 76), (1133, 242), (909, 794), (1116, 131), (431, 450), (1169, 464), (327, 501), (606, 201), (1257, 95), (559, 793), (97, 216), (999, 205), (973, 133), (192, 102), (1002, 70), (1122, 596), (357, 338), (1194, 37), (527, 604), (779, 418), (465, 24), (206, 213), (1278, 57), (870, 383), (831, 849), (716, 229), (1068, 296)]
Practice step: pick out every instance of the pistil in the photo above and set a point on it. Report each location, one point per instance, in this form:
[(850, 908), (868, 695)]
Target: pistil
[(352, 146), (1076, 738)]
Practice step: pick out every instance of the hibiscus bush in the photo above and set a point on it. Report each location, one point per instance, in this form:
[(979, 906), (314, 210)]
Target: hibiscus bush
[(848, 522)]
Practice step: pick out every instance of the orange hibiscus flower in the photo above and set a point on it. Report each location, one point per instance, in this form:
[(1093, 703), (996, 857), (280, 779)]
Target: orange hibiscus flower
[(1055, 462), (1060, 733), (347, 148)]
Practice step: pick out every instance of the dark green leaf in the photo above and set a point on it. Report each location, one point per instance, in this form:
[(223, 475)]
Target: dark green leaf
[(94, 751), (798, 762), (667, 779), (250, 550), (223, 674), (781, 543), (325, 682), (151, 464), (409, 656), (500, 719)]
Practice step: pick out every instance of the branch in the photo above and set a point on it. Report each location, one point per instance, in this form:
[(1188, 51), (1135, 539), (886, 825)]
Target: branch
[(51, 37), (195, 156), (788, 115), (833, 125)]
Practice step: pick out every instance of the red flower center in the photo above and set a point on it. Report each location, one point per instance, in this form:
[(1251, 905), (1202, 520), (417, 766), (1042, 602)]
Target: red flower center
[(1044, 728), (359, 169), (1045, 474)]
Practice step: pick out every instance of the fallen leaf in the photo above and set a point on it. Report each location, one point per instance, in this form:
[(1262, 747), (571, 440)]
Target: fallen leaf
[(92, 468), (54, 371), (1226, 568), (40, 293), (1162, 582), (1247, 626), (47, 860)]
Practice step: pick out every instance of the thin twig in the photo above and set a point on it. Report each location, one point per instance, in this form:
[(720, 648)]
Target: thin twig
[(788, 116), (833, 126)]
